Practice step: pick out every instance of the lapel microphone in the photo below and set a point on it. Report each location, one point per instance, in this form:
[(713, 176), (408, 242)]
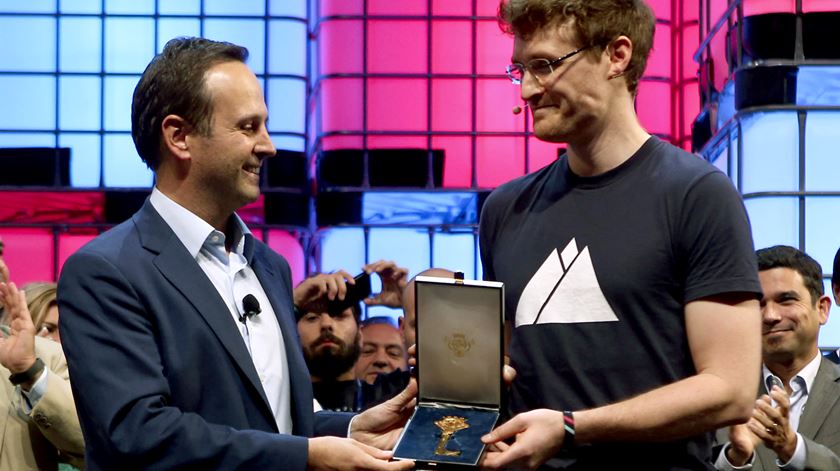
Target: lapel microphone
[(250, 306), (519, 109)]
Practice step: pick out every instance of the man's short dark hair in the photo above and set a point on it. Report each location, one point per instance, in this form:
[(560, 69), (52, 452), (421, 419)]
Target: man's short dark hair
[(595, 22), (784, 256), (835, 272), (173, 83)]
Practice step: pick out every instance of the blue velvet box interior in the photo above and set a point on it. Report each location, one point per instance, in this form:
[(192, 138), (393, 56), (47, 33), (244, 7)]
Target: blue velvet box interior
[(459, 357), (422, 437)]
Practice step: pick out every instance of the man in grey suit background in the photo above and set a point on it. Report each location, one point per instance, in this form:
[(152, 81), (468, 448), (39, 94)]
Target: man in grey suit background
[(796, 422)]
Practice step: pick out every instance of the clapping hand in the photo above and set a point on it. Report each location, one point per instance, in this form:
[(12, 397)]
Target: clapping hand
[(772, 424), (17, 351)]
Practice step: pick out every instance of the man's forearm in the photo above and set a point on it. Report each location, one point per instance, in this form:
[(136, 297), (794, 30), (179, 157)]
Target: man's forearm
[(686, 408)]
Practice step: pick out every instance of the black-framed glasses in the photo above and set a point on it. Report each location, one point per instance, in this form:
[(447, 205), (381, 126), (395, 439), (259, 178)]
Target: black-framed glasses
[(539, 68)]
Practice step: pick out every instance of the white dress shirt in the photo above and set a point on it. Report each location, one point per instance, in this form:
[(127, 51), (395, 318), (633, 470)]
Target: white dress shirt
[(233, 278)]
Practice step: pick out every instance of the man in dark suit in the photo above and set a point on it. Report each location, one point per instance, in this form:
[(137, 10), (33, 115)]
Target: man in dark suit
[(783, 433), (178, 323), (835, 288)]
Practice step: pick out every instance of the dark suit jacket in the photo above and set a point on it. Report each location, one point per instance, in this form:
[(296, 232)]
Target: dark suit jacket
[(833, 357), (819, 424), (160, 374)]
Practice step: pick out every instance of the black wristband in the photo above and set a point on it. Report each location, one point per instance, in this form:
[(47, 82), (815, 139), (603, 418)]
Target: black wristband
[(28, 375), (569, 436)]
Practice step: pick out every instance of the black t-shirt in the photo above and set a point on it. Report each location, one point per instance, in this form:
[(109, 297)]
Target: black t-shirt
[(597, 271)]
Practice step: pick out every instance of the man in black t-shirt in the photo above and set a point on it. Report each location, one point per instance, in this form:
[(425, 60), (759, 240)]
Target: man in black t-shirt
[(630, 281)]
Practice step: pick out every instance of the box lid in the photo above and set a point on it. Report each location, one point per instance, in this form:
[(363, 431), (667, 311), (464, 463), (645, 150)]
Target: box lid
[(460, 338)]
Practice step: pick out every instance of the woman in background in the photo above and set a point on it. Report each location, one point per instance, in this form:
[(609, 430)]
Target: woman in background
[(43, 305)]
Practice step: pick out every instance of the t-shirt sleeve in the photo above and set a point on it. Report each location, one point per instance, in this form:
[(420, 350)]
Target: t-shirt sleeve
[(716, 240)]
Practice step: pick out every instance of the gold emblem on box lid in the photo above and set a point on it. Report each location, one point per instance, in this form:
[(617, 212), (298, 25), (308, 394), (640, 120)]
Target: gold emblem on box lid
[(459, 344)]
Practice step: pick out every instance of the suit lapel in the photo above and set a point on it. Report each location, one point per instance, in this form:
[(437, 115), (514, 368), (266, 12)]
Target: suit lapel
[(823, 395), (177, 266)]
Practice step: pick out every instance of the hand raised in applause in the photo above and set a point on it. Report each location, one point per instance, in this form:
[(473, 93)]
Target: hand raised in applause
[(17, 351)]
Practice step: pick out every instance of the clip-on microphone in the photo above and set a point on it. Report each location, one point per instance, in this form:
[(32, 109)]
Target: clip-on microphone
[(250, 306)]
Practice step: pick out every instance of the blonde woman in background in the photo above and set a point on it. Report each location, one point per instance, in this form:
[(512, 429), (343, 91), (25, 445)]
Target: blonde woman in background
[(43, 305)]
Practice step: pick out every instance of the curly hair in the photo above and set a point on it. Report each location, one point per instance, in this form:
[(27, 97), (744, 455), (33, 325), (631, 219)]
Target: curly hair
[(173, 83), (596, 23)]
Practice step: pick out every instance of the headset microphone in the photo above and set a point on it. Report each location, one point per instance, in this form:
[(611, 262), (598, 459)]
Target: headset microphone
[(519, 109), (250, 306)]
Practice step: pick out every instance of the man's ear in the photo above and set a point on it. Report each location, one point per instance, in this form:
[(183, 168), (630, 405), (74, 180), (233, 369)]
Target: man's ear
[(174, 130), (620, 51), (824, 307)]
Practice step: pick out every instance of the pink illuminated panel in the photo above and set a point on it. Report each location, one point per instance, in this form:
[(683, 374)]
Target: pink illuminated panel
[(341, 7), (396, 46), (659, 61), (397, 104), (499, 159), (494, 48), (28, 254), (69, 243), (486, 7), (494, 101), (541, 153), (691, 100), (661, 8), (654, 106), (342, 99), (288, 246), (812, 6), (452, 7), (402, 7), (760, 7), (457, 169), (396, 142), (337, 53), (452, 47), (451, 105)]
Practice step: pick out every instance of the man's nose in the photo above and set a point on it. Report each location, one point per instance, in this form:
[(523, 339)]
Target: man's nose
[(265, 147), (530, 87), (327, 322), (770, 314)]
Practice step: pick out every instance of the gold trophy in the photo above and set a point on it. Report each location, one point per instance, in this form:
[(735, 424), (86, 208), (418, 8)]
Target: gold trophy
[(449, 425)]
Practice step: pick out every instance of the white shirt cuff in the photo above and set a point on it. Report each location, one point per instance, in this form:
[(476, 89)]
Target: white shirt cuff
[(722, 462), (797, 461), (34, 395)]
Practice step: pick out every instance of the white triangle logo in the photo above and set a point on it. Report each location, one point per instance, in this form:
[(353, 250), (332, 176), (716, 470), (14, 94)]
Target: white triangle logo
[(564, 290)]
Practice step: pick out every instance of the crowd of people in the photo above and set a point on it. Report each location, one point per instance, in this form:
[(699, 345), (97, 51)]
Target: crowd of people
[(643, 331)]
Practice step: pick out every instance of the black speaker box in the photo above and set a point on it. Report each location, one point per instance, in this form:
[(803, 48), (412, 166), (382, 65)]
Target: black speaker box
[(335, 208), (122, 204), (765, 85), (35, 166), (287, 208), (404, 168), (287, 169)]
